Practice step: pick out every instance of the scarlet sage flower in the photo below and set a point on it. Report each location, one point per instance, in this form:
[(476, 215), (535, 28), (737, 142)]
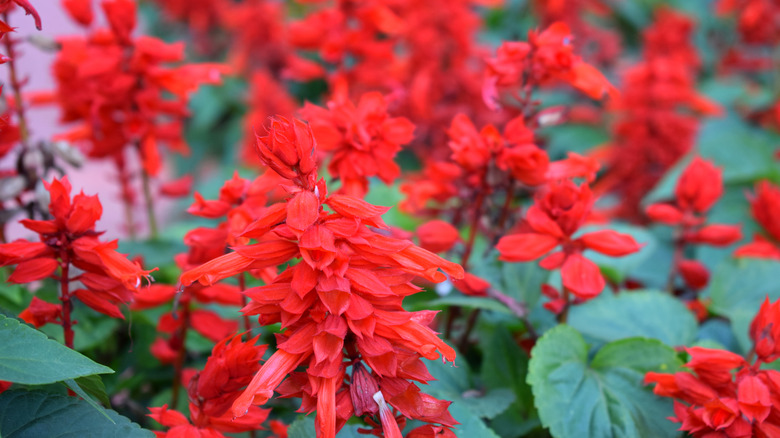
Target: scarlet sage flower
[(559, 210), (658, 113), (27, 7), (212, 391), (69, 242), (340, 304), (723, 394), (765, 206), (361, 140), (698, 189), (547, 57)]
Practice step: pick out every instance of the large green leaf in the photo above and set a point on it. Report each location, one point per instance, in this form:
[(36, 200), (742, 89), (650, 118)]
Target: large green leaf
[(603, 398), (738, 288), (649, 314), (42, 414), (28, 356), (505, 365)]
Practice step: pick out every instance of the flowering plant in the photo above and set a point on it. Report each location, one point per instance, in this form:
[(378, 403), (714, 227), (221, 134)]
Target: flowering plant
[(389, 218)]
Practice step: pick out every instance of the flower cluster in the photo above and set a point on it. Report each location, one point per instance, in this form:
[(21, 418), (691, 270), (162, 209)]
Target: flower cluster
[(765, 206), (212, 391), (557, 213), (656, 123), (726, 395), (340, 305), (362, 140), (547, 57), (698, 189), (69, 242)]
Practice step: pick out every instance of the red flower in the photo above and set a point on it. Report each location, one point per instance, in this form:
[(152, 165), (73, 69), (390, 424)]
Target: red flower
[(721, 402), (362, 140), (213, 390), (765, 206), (548, 56), (558, 212), (345, 293), (698, 189), (69, 239), (437, 236)]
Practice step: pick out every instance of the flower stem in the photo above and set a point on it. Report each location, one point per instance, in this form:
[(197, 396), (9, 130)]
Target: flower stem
[(178, 365), (16, 86), (149, 204), (67, 304)]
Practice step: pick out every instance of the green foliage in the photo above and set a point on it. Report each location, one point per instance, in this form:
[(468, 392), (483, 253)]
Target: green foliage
[(603, 397), (737, 289), (649, 314), (27, 356), (41, 414)]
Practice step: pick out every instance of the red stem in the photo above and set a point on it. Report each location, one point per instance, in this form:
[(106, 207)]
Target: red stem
[(564, 315), (178, 365), (67, 305), (16, 86)]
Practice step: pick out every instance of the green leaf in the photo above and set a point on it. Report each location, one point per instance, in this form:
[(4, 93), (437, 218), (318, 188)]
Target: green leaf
[(70, 383), (42, 414), (523, 281), (737, 289), (605, 398), (505, 365), (455, 299), (28, 356), (302, 427), (454, 384), (649, 314), (470, 424), (93, 385)]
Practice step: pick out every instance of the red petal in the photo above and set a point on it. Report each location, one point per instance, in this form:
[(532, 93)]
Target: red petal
[(664, 213), (610, 243), (33, 270), (98, 303), (80, 10), (694, 273), (716, 235), (582, 277), (302, 210), (525, 247), (211, 325), (350, 206)]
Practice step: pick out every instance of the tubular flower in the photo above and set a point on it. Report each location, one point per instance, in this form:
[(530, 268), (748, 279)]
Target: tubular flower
[(69, 240), (341, 303), (557, 213), (594, 43), (765, 206), (658, 113), (122, 92), (362, 140), (725, 395), (547, 57), (212, 391), (698, 189)]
